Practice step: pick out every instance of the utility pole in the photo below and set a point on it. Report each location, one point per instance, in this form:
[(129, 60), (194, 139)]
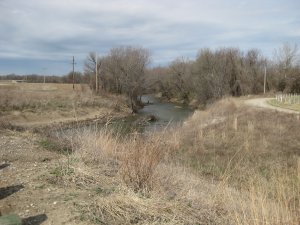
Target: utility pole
[(96, 74), (265, 79), (44, 69), (73, 63)]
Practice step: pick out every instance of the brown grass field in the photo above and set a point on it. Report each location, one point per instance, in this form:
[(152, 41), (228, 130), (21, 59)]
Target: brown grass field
[(243, 169), (230, 164), (34, 104)]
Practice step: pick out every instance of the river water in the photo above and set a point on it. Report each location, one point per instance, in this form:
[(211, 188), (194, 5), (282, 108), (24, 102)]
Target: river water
[(167, 114)]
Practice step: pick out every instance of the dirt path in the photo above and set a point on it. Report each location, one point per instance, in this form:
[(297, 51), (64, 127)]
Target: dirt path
[(262, 103)]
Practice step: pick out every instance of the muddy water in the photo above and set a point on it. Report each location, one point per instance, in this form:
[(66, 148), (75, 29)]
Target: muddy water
[(167, 114)]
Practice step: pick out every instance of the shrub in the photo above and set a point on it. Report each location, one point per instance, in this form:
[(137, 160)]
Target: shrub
[(140, 161)]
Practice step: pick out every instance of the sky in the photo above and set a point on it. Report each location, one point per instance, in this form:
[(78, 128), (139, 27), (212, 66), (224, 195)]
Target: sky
[(42, 36)]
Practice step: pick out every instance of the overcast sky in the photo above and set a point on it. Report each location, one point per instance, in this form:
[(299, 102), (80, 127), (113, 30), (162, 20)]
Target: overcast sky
[(41, 36)]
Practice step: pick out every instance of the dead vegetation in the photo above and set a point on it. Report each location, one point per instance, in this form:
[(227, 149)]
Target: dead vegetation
[(230, 164), (48, 97), (28, 104), (254, 151)]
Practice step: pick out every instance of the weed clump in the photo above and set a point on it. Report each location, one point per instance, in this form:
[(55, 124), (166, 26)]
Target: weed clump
[(140, 162)]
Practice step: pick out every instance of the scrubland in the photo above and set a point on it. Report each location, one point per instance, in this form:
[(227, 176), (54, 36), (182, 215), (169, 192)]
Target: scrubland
[(230, 164)]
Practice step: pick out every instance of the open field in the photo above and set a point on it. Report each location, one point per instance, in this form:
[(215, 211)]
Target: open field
[(230, 164), (34, 104)]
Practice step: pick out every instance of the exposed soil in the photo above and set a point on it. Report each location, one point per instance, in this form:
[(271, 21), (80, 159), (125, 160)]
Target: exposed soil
[(25, 163), (29, 185)]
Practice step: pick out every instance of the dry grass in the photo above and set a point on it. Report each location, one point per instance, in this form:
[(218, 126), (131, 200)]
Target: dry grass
[(228, 165), (144, 188), (273, 202), (140, 161), (137, 159), (255, 152), (46, 97), (36, 105)]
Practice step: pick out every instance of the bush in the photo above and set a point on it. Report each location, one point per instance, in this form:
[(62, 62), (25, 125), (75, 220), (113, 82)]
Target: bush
[(140, 161)]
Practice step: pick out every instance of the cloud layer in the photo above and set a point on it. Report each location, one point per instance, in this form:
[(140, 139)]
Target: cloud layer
[(48, 33)]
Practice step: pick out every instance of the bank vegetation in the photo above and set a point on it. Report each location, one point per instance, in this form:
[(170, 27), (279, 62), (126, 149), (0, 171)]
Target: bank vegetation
[(225, 165), (228, 164)]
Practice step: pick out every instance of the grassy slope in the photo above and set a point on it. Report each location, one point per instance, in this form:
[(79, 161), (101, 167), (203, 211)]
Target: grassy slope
[(231, 163), (228, 165)]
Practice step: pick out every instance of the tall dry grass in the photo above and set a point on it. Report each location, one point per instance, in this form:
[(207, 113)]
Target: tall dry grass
[(273, 202), (229, 165), (136, 158), (147, 187), (140, 161), (254, 151)]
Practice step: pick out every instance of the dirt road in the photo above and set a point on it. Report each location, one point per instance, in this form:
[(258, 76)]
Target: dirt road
[(262, 103)]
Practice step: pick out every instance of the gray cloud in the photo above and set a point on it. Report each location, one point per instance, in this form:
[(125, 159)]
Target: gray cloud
[(56, 30)]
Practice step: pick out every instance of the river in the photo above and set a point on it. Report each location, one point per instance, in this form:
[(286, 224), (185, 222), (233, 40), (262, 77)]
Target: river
[(166, 113)]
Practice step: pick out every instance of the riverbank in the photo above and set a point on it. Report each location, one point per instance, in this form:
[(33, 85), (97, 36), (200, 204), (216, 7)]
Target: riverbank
[(192, 104), (230, 164)]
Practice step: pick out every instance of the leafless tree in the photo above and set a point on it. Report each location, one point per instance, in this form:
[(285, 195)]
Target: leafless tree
[(286, 62), (286, 57), (125, 68), (180, 70), (90, 70)]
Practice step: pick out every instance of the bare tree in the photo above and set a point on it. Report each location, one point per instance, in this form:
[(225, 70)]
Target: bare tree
[(286, 57), (286, 67), (90, 70), (253, 72), (180, 70), (125, 68)]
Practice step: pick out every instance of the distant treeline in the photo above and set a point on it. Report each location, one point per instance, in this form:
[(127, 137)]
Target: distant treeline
[(213, 74), (228, 72), (34, 78)]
